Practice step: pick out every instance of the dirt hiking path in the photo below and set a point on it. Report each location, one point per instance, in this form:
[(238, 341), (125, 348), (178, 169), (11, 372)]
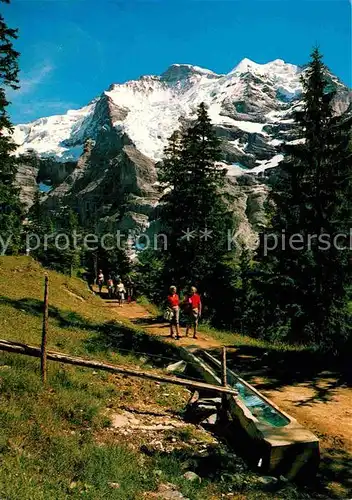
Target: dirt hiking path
[(138, 315), (321, 403)]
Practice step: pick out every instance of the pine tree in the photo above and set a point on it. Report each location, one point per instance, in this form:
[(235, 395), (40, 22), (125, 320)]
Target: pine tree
[(306, 282), (37, 214), (149, 270), (59, 235), (40, 224), (172, 171), (114, 262), (194, 204), (10, 206), (69, 258)]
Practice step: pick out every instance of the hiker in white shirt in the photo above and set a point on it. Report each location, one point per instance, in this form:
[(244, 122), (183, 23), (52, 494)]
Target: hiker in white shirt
[(100, 280), (120, 289)]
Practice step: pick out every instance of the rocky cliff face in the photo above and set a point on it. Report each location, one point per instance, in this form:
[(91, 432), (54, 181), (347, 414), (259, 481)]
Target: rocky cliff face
[(117, 140), (27, 181)]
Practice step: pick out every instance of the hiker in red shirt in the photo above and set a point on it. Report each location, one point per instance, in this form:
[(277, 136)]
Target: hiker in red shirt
[(193, 309), (173, 302)]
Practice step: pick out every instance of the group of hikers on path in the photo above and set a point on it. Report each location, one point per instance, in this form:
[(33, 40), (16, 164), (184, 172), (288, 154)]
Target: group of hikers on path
[(191, 306), (116, 287)]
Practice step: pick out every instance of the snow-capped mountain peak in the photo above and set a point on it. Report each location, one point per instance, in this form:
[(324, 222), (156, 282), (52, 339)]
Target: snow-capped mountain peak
[(276, 66), (244, 66), (47, 136), (245, 105), (178, 72)]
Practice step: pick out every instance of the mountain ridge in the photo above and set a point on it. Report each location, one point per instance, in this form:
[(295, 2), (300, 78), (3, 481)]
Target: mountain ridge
[(180, 88), (117, 140), (26, 136)]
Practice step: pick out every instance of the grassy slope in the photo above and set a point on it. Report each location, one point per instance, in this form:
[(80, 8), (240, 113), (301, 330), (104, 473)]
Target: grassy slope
[(52, 440), (73, 308), (47, 440)]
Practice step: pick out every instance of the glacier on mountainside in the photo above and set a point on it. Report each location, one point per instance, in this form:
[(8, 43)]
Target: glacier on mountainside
[(106, 153), (156, 104), (251, 108)]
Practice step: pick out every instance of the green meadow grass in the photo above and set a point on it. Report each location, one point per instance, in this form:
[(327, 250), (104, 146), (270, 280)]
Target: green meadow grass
[(47, 439), (51, 438)]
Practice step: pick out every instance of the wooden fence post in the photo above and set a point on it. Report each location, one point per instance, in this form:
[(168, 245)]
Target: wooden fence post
[(45, 328), (224, 381), (95, 258), (223, 368)]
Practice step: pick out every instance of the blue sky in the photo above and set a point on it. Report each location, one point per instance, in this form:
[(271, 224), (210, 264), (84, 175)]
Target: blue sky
[(73, 50)]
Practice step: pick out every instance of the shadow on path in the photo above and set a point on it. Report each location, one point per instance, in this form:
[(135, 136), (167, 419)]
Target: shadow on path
[(272, 369)]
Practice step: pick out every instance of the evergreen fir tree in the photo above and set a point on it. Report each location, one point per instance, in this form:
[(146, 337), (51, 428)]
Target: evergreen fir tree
[(59, 248), (114, 262), (10, 206), (194, 204), (40, 224), (306, 283), (149, 270), (37, 216), (68, 256), (245, 289)]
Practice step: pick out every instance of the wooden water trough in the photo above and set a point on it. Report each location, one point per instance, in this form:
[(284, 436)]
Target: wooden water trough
[(274, 442)]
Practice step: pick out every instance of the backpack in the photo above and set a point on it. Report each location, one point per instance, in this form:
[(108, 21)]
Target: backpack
[(168, 314)]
